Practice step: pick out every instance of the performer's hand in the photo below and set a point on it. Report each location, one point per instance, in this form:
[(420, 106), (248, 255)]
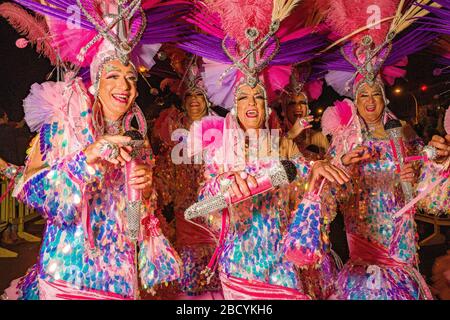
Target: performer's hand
[(113, 149), (300, 125), (407, 174), (323, 168), (442, 146), (141, 177), (356, 155), (241, 183)]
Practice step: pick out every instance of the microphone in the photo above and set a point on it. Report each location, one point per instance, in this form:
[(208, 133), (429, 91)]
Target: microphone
[(283, 173), (134, 197), (394, 130)]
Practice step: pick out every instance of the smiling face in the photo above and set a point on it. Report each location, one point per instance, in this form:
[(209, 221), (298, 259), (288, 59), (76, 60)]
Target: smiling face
[(117, 89), (296, 107), (251, 104), (195, 105), (370, 103)]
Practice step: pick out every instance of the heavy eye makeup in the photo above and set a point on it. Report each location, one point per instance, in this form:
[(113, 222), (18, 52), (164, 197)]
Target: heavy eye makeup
[(117, 74), (363, 94), (242, 97), (292, 102), (112, 75), (132, 77)]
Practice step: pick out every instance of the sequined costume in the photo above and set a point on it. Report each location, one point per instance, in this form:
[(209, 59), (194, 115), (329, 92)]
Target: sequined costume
[(10, 171), (60, 191), (251, 46), (87, 251), (437, 201), (317, 280), (383, 262), (383, 248), (251, 251), (178, 184)]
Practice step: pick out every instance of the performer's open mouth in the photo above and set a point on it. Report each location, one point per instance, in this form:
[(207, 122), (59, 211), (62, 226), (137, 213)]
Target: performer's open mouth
[(252, 114), (371, 108), (122, 98)]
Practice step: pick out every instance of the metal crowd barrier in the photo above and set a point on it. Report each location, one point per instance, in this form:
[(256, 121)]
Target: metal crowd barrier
[(13, 212)]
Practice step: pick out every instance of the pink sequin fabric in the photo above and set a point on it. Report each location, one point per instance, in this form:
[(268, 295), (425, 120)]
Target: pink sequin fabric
[(383, 248)]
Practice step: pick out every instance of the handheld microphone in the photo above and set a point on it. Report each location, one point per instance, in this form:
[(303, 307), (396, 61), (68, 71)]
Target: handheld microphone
[(394, 130), (134, 197), (283, 173)]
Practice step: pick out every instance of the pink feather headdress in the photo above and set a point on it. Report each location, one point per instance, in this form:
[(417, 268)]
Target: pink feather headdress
[(369, 48), (188, 73), (367, 30), (345, 16), (247, 26), (79, 31)]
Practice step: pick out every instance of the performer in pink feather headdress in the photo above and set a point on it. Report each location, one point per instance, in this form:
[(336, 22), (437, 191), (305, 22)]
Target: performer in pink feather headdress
[(437, 202), (100, 241), (177, 182), (251, 45), (377, 203)]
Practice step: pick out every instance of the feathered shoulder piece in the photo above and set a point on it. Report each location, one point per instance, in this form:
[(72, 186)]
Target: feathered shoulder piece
[(62, 101)]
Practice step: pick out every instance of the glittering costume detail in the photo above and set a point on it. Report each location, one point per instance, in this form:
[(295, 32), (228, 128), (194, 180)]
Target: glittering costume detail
[(437, 202), (11, 171), (46, 133), (66, 188), (252, 249), (178, 184), (86, 251)]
